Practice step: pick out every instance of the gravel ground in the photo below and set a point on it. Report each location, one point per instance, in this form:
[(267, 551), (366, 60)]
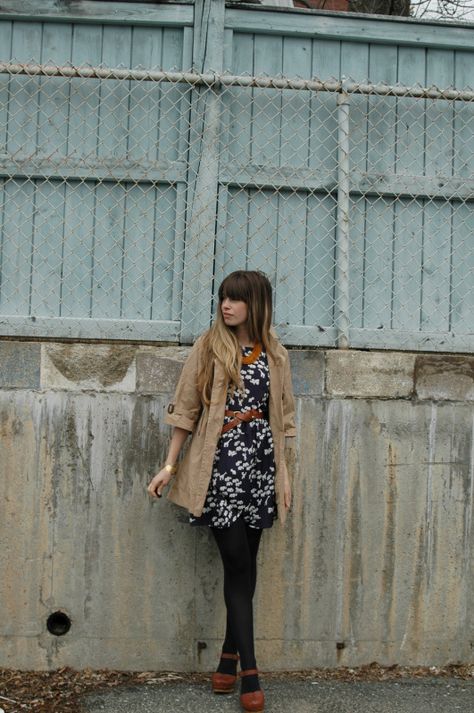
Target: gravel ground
[(67, 690), (282, 695)]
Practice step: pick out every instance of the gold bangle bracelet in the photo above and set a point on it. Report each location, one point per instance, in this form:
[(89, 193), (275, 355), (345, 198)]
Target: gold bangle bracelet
[(171, 468)]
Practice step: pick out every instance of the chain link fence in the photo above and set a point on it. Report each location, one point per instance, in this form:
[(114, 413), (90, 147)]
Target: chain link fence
[(127, 195)]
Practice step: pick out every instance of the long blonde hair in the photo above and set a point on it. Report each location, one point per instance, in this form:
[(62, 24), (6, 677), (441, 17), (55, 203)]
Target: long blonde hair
[(252, 287)]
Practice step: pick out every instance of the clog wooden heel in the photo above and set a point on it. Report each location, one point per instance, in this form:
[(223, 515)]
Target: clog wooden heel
[(224, 682), (253, 701)]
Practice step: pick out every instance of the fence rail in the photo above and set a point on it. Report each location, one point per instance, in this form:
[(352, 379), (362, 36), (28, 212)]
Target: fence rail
[(127, 194)]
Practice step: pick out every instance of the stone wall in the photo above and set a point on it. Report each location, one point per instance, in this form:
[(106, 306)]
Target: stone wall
[(374, 563)]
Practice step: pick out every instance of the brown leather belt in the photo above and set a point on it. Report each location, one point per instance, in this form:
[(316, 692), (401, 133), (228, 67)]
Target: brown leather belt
[(240, 416)]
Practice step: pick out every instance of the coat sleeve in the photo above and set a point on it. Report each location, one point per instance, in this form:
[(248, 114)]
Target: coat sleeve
[(288, 400), (185, 408)]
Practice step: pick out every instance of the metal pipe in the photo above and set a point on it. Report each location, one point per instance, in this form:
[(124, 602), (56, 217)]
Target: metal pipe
[(212, 79)]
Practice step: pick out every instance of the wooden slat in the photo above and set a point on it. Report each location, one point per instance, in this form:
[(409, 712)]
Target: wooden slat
[(90, 328), (138, 253), (437, 228), (92, 11), (378, 238), (17, 233), (23, 103), (290, 257), (80, 198), (320, 261), (47, 249), (224, 258), (205, 123), (78, 249), (232, 234), (164, 274), (412, 339), (436, 269), (237, 109), (302, 335), (439, 115), (357, 232), (407, 264), (295, 105), (355, 65), (181, 188), (263, 238), (114, 95), (463, 164), (408, 219), (108, 250), (105, 170), (377, 263), (175, 100), (5, 43), (266, 110), (144, 116), (352, 28), (326, 56), (462, 300)]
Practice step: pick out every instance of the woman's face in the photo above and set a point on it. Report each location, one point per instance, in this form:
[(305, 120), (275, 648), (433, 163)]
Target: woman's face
[(234, 312)]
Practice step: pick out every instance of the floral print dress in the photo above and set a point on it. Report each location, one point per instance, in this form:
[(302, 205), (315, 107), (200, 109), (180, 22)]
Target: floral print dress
[(243, 473)]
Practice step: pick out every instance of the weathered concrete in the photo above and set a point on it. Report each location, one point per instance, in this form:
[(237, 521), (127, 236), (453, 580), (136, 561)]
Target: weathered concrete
[(444, 377), (100, 367), (20, 364), (158, 370), (375, 562), (307, 369), (369, 374)]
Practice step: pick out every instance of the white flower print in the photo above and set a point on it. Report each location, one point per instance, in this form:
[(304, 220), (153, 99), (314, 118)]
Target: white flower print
[(243, 477)]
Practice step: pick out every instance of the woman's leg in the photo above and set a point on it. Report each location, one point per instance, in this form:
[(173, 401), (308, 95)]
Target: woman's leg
[(253, 537), (238, 547)]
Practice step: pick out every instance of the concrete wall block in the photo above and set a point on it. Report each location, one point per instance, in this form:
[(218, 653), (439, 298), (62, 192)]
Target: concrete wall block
[(158, 370), (369, 374), (80, 367), (20, 364), (376, 554), (444, 377), (307, 371)]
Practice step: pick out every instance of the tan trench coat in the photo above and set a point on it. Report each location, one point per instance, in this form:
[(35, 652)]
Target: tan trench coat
[(190, 484)]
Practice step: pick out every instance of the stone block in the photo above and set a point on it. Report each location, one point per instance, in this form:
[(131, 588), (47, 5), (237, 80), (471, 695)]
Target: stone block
[(20, 364), (369, 374), (443, 377), (307, 371), (98, 367), (158, 371)]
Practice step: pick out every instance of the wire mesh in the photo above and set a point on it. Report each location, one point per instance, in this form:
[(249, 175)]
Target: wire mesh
[(127, 195)]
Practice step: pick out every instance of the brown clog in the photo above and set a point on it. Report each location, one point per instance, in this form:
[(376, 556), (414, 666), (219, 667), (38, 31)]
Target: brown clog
[(253, 701), (224, 682)]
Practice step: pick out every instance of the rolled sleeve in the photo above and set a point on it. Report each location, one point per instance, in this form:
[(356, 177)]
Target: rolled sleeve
[(185, 408), (289, 425)]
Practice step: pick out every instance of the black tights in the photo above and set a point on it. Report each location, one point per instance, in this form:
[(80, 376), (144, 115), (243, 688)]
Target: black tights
[(238, 547)]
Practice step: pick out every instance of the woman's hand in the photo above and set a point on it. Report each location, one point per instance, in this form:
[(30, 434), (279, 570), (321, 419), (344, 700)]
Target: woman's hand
[(158, 482)]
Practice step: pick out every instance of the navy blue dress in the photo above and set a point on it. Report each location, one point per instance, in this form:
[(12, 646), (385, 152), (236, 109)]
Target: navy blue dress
[(243, 473)]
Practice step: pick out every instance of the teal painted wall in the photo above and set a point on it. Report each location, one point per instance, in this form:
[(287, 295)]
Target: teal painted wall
[(124, 203)]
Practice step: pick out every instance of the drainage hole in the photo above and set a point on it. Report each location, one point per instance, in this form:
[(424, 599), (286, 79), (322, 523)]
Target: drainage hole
[(58, 623)]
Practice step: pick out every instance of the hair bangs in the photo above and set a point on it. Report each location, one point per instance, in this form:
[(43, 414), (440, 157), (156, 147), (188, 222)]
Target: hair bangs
[(236, 287)]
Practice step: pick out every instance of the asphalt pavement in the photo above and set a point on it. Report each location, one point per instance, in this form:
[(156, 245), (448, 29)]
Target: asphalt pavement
[(284, 694)]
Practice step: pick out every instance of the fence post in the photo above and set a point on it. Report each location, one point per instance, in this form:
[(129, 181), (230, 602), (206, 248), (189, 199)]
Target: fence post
[(203, 172), (342, 228)]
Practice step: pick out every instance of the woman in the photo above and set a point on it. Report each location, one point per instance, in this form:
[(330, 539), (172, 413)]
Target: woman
[(235, 396)]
